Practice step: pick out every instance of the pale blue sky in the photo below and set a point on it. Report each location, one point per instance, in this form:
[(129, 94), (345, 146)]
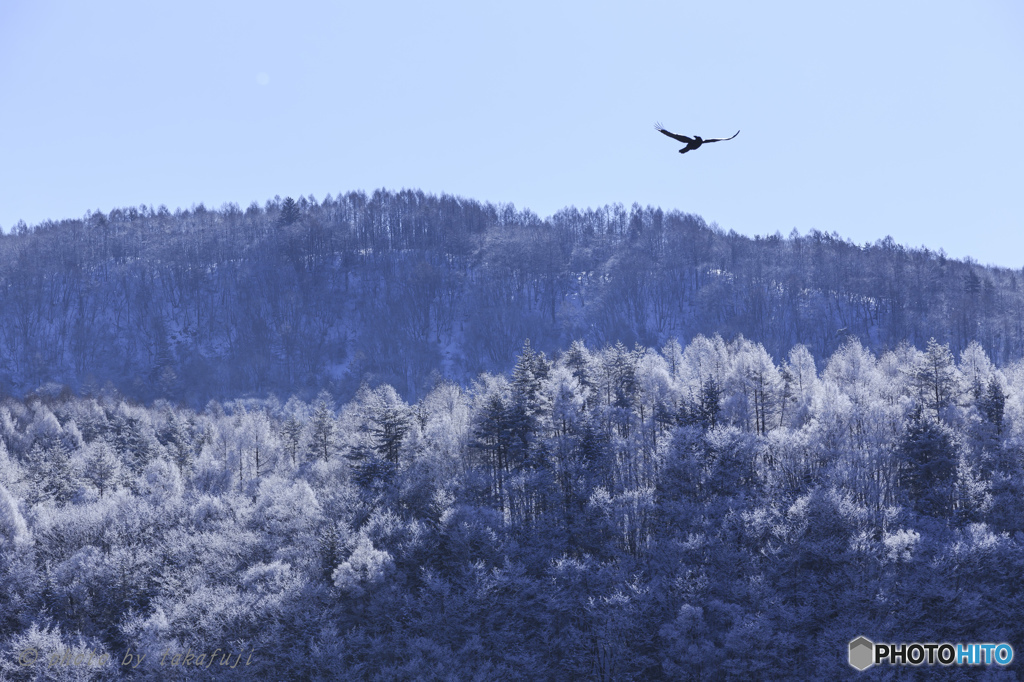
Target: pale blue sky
[(866, 118)]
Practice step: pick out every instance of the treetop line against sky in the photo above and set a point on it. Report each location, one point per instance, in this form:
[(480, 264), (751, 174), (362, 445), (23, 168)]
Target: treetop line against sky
[(867, 120)]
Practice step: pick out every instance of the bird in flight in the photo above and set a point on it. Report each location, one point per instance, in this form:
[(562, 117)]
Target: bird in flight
[(691, 142)]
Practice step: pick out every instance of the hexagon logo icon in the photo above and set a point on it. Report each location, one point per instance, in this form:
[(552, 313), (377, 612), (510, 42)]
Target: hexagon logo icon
[(862, 653)]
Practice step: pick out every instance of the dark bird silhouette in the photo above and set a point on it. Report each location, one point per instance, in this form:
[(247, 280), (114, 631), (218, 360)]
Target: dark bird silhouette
[(691, 142)]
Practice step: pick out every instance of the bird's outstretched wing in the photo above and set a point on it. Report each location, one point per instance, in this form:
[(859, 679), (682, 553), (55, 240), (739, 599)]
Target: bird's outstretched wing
[(682, 138), (721, 139)]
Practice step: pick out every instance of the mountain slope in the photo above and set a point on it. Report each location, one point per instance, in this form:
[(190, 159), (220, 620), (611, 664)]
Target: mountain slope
[(403, 287)]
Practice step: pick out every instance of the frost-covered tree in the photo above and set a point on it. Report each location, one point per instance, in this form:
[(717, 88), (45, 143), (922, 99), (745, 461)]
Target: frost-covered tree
[(257, 443), (321, 428), (14, 533), (102, 468), (292, 429), (937, 378), (610, 512), (365, 567), (390, 421)]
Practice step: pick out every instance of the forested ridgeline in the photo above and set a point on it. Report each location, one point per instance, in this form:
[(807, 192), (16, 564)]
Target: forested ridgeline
[(406, 288), (688, 513)]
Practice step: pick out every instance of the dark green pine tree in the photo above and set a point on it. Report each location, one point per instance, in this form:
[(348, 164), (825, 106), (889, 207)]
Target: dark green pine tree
[(709, 407), (371, 472), (577, 361), (992, 403), (389, 425), (1005, 474), (929, 467), (621, 385), (530, 371), (330, 550), (289, 212), (178, 436), (132, 442), (622, 375), (528, 402), (322, 428), (291, 432), (493, 440)]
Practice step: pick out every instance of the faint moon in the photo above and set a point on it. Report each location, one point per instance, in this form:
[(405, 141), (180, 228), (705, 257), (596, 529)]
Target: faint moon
[(262, 78)]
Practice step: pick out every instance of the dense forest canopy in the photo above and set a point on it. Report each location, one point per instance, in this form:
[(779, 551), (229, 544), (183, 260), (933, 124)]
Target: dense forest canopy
[(613, 513), (410, 289), (403, 436)]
